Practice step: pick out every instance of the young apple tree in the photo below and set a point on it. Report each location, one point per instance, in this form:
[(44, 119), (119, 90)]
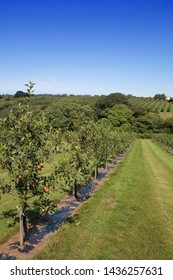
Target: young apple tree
[(26, 146), (76, 165)]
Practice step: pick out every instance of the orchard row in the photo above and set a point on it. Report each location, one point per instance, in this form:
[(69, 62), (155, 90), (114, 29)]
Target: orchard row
[(28, 143), (164, 140), (152, 105)]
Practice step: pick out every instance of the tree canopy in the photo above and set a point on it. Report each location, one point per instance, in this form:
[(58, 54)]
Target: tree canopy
[(20, 93), (109, 101), (160, 96)]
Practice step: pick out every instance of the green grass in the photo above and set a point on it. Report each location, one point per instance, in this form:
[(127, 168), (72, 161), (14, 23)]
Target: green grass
[(129, 217), (8, 211)]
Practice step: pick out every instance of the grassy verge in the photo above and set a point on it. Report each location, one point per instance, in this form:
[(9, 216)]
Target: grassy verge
[(129, 217)]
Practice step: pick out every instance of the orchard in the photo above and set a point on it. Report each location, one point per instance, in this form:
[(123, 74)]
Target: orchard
[(28, 142)]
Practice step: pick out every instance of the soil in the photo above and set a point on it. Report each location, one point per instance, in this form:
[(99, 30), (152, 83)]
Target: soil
[(38, 234)]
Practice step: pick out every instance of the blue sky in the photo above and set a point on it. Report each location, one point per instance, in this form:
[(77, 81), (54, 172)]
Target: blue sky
[(87, 47)]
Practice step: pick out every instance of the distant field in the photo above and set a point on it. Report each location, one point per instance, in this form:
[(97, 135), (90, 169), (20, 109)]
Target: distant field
[(152, 105)]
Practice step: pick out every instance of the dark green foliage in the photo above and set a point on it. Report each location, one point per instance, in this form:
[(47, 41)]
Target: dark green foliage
[(109, 101), (168, 125), (69, 116), (20, 93), (160, 96), (148, 123), (120, 116), (137, 112)]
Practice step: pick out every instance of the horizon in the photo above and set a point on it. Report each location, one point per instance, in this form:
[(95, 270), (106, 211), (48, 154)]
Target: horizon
[(73, 94), (90, 48)]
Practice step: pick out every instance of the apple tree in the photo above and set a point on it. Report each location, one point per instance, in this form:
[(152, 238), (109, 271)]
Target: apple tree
[(75, 166), (27, 143)]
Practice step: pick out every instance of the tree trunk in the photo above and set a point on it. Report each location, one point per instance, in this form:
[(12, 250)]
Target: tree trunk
[(75, 189), (96, 171), (25, 228), (21, 229)]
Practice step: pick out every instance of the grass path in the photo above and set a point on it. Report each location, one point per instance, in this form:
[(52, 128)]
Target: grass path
[(129, 217)]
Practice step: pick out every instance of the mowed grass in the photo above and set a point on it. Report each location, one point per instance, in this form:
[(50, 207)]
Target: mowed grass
[(129, 217), (9, 218)]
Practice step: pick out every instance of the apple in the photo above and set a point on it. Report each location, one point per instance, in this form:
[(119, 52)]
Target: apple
[(46, 189), (38, 167), (5, 148)]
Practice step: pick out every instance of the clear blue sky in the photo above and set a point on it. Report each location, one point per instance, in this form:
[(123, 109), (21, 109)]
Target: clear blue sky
[(87, 46)]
